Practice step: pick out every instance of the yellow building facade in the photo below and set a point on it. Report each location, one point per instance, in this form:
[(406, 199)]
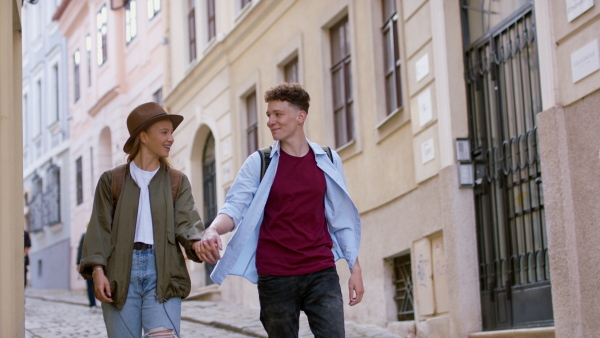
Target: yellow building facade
[(12, 311), (448, 116)]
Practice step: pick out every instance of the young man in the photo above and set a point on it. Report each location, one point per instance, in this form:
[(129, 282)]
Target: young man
[(293, 224)]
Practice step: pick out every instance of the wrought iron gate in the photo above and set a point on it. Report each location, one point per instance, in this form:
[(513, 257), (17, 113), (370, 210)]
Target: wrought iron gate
[(503, 89), (209, 178)]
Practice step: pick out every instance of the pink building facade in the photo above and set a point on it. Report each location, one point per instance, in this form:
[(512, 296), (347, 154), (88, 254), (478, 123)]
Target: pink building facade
[(115, 63)]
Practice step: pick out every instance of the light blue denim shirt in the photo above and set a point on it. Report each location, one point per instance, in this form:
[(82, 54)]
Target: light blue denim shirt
[(245, 204)]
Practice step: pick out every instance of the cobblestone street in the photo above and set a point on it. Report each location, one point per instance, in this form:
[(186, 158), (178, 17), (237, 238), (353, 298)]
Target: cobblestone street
[(60, 313)]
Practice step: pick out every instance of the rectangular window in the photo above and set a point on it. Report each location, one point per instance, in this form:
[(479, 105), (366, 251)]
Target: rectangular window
[(157, 96), (130, 20), (55, 77), (391, 62), (25, 121), (76, 61), (79, 179), (101, 25), (37, 124), (341, 79), (88, 48), (192, 30), (153, 8), (404, 288), (252, 123), (290, 71), (210, 13)]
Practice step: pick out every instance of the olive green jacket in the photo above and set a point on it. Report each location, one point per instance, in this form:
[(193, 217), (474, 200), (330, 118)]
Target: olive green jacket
[(109, 240)]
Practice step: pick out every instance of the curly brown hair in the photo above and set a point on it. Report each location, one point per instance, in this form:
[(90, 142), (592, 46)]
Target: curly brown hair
[(293, 93)]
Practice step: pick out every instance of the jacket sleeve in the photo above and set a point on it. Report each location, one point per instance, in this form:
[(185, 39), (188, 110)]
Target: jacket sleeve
[(97, 243), (188, 225)]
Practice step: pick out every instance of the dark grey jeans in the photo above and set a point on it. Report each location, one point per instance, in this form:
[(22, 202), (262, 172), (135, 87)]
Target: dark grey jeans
[(318, 294)]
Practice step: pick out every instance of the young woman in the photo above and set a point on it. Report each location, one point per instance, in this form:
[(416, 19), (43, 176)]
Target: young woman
[(139, 220)]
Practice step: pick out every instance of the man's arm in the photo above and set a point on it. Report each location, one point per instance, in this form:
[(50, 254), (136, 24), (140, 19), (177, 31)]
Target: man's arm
[(208, 247), (355, 285)]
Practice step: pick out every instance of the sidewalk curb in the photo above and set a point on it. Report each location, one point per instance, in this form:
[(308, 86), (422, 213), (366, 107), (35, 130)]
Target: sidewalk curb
[(216, 324), (225, 326)]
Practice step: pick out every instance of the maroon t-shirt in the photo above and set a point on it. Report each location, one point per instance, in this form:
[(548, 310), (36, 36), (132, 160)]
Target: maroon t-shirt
[(293, 236)]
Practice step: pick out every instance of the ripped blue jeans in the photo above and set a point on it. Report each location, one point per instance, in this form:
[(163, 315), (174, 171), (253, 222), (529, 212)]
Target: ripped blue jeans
[(142, 310)]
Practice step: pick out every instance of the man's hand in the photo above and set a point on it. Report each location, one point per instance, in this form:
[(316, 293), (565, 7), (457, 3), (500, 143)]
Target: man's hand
[(208, 247), (102, 287), (355, 285)]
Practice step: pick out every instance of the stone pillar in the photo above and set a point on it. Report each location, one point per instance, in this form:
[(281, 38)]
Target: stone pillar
[(12, 314), (569, 149)]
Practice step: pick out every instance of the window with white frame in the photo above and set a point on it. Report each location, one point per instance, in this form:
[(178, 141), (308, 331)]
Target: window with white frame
[(88, 49), (37, 122), (153, 8), (130, 20), (211, 19), (341, 80), (252, 123), (290, 71), (76, 62), (56, 94), (391, 57), (101, 35), (191, 17)]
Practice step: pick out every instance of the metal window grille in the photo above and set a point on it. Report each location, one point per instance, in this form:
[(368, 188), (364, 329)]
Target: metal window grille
[(51, 196), (341, 76), (210, 193), (36, 205), (404, 288)]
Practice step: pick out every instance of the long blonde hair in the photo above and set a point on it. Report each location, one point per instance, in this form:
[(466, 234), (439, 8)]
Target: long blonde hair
[(135, 149)]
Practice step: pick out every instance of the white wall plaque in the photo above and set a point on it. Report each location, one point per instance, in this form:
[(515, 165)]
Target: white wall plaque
[(422, 67), (585, 61), (425, 109), (427, 151), (577, 7)]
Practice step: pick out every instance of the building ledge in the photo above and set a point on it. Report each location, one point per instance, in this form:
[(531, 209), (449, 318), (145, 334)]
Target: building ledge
[(540, 332)]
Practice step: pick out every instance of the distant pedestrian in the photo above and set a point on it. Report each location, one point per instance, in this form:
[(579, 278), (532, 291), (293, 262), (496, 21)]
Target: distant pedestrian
[(89, 282), (292, 224), (27, 241), (132, 249)]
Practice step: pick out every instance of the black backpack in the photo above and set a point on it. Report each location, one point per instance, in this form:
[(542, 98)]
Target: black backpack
[(265, 155)]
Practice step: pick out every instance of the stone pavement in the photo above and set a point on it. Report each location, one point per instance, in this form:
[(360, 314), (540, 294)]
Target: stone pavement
[(64, 313)]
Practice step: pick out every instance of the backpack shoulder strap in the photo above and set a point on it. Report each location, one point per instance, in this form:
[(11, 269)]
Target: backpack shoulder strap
[(118, 179), (176, 177), (328, 152), (265, 155)]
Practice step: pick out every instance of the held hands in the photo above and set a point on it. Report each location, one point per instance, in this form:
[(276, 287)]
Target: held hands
[(208, 247), (101, 286)]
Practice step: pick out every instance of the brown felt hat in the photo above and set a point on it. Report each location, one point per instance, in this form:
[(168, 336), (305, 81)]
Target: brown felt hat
[(143, 116)]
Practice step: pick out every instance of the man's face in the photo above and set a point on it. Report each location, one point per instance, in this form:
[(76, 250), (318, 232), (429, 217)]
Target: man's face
[(284, 120)]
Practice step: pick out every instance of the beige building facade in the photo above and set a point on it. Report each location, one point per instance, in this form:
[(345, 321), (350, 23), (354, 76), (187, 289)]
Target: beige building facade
[(467, 132), (12, 311)]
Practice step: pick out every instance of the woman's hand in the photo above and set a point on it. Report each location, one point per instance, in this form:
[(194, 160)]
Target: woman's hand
[(208, 247), (101, 286)]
